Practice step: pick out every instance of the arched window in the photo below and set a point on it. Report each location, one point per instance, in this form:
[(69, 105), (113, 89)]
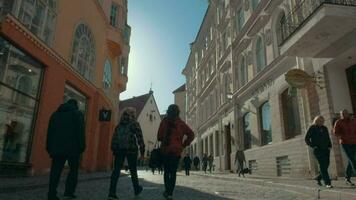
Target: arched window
[(39, 17), (265, 124), (243, 71), (83, 52), (246, 130), (107, 74), (260, 54), (290, 115)]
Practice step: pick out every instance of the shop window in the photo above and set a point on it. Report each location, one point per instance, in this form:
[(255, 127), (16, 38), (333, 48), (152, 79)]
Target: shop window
[(39, 17), (20, 84), (107, 75), (72, 93), (260, 54), (247, 131), (290, 115), (83, 52), (265, 124)]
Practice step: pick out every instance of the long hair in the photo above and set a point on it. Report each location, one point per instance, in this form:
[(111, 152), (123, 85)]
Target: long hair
[(173, 111), (316, 119), (172, 115)]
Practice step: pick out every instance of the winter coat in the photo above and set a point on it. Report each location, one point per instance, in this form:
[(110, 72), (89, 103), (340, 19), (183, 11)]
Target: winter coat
[(187, 162), (318, 137), (66, 132), (196, 161), (172, 137), (345, 129)]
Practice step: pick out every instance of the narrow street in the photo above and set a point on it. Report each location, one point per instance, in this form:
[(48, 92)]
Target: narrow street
[(192, 187)]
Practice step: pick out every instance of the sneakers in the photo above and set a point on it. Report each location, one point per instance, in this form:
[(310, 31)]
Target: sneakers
[(329, 186), (138, 191), (112, 197), (348, 182), (69, 196)]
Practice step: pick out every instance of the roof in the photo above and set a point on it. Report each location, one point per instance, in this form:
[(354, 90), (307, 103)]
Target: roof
[(136, 102), (180, 89)]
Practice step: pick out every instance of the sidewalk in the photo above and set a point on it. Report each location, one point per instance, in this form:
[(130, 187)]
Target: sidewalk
[(8, 185), (341, 191)]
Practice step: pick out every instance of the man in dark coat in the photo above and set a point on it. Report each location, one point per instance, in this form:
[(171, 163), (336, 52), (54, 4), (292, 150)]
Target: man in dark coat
[(196, 162), (65, 142), (187, 164), (205, 162)]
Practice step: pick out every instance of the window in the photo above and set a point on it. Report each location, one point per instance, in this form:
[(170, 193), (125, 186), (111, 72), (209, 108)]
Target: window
[(83, 52), (39, 17), (281, 29), (240, 20), (246, 130), (123, 66), (20, 85), (265, 124), (255, 4), (260, 54), (243, 71), (72, 93), (114, 15), (290, 115), (107, 75)]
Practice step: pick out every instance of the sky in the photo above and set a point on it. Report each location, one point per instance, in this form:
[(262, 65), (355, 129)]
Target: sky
[(161, 33)]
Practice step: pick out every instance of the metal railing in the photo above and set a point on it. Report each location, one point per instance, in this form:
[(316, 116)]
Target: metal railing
[(301, 13)]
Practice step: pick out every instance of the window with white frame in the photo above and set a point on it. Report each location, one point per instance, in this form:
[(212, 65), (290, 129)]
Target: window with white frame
[(107, 75), (39, 16), (240, 20), (265, 124), (260, 54), (114, 12), (83, 52)]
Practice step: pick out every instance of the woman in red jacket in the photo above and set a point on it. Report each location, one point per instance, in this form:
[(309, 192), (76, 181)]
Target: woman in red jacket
[(171, 133)]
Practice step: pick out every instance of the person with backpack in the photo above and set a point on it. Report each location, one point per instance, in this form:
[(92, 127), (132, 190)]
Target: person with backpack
[(126, 142), (171, 133), (187, 163), (65, 142)]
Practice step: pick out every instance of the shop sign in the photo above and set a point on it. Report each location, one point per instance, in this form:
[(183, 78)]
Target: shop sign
[(104, 115)]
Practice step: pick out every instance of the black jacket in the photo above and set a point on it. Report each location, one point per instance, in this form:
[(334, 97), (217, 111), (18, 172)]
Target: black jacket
[(187, 161), (66, 132), (318, 137)]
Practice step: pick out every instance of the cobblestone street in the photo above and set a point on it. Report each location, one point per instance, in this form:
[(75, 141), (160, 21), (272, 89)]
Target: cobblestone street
[(192, 187)]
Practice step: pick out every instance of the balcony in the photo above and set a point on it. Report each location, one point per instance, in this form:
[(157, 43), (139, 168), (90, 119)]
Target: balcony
[(314, 26)]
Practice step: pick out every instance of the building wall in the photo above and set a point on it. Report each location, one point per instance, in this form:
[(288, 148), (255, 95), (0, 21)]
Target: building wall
[(180, 100)]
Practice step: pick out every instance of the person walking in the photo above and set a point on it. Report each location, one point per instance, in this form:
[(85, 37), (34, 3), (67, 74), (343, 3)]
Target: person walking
[(240, 161), (205, 161), (211, 162), (196, 162), (317, 137), (345, 129), (187, 163), (171, 134), (65, 142), (126, 142)]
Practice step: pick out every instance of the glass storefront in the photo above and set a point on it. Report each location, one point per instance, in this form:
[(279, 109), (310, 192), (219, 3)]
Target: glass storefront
[(72, 93), (20, 83)]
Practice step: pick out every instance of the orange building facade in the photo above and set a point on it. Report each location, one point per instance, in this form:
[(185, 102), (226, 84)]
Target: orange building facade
[(51, 51)]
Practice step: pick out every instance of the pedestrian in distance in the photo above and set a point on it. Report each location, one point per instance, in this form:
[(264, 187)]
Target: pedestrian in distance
[(196, 162), (345, 129), (171, 134), (126, 142), (240, 162), (65, 142), (205, 161), (318, 139), (187, 164), (211, 162)]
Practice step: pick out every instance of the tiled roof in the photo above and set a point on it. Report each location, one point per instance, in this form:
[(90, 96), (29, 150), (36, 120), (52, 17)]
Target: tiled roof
[(180, 89), (135, 102)]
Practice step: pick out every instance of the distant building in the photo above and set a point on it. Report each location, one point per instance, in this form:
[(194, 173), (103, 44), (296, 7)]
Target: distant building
[(180, 100), (237, 93), (147, 115)]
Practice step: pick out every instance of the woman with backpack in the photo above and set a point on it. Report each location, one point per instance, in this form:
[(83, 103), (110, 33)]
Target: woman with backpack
[(171, 133), (127, 135)]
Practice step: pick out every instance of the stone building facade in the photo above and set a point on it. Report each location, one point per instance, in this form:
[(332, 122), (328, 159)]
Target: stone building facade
[(237, 95), (55, 50)]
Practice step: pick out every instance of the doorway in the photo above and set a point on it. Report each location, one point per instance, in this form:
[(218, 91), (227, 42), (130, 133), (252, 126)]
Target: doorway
[(351, 78), (227, 147)]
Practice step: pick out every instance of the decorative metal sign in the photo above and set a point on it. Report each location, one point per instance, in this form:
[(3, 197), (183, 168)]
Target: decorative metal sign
[(104, 115)]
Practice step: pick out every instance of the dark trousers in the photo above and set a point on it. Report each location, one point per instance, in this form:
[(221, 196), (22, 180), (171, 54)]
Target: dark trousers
[(56, 171), (187, 169), (240, 168), (350, 151), (118, 163), (205, 167), (170, 164), (323, 157)]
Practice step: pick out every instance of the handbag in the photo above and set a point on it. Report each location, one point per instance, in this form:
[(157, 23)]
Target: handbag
[(155, 160), (246, 170)]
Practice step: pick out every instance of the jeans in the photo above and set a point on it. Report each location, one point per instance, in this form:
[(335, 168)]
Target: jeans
[(170, 164), (118, 163), (323, 157), (56, 171), (350, 151)]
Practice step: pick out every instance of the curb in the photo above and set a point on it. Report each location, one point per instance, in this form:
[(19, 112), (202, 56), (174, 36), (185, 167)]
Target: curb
[(317, 192)]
